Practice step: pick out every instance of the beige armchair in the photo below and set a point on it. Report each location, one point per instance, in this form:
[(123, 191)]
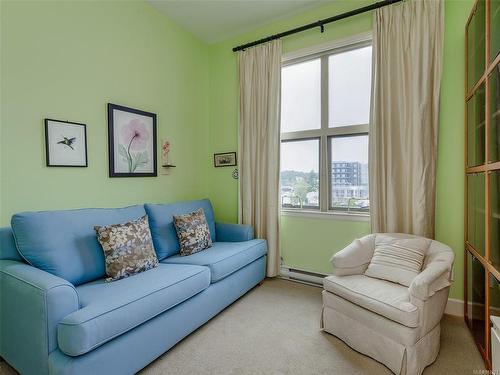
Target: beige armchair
[(398, 326)]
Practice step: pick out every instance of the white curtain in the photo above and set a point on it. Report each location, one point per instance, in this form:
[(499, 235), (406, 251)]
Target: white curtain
[(407, 64), (259, 138)]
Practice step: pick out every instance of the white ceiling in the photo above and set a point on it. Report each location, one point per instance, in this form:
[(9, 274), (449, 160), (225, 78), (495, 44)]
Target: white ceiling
[(216, 20)]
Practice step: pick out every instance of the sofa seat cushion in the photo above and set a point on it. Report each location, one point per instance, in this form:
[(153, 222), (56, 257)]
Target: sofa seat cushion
[(382, 297), (224, 258), (108, 310)]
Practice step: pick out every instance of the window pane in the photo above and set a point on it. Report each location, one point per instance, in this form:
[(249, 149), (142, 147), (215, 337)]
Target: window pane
[(349, 173), (475, 212), (349, 87), (476, 107), (300, 173), (300, 96), (475, 298), (494, 302), (476, 45), (494, 219), (494, 29), (494, 83)]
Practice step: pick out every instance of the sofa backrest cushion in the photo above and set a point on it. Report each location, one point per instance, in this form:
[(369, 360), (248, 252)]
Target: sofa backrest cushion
[(8, 250), (64, 243), (161, 223)]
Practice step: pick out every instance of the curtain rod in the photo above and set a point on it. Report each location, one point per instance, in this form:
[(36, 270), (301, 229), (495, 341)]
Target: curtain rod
[(321, 24)]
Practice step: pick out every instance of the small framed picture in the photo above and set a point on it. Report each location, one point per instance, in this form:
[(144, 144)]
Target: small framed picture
[(65, 144), (132, 142), (227, 159)]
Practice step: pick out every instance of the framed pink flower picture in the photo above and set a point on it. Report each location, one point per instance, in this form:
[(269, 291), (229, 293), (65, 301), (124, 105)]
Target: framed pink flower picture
[(132, 142)]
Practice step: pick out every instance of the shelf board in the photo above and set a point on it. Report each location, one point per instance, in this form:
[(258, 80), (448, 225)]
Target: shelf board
[(482, 168)]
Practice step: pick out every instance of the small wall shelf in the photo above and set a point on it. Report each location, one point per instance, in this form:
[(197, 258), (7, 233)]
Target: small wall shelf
[(166, 168)]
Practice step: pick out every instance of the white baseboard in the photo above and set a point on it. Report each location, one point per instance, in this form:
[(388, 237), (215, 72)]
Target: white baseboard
[(453, 306)]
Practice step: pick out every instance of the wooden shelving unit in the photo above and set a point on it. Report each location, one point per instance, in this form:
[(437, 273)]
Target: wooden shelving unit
[(482, 171)]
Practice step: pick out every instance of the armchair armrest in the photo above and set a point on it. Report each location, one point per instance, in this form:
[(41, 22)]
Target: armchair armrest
[(32, 302), (432, 279), (354, 258), (226, 232)]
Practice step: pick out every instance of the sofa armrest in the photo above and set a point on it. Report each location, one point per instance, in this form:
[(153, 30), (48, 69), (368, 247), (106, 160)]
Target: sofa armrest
[(354, 258), (32, 302), (226, 232), (432, 279)]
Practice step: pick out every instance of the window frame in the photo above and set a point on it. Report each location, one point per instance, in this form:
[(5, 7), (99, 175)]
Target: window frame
[(323, 52)]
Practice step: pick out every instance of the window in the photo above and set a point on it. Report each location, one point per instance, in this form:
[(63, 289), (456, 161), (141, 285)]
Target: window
[(325, 107), (300, 96), (300, 173), (349, 187), (349, 87)]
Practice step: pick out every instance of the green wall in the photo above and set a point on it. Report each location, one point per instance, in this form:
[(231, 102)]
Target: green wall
[(308, 243), (451, 151), (67, 60)]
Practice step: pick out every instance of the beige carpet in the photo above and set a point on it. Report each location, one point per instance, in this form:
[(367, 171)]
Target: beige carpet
[(274, 329)]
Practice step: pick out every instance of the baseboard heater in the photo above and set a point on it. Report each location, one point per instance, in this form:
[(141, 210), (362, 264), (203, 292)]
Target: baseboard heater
[(303, 276)]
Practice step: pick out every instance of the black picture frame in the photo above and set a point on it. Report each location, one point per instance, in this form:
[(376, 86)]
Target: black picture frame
[(48, 143), (219, 164), (111, 141)]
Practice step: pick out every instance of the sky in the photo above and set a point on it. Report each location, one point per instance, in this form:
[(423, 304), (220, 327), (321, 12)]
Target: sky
[(349, 76)]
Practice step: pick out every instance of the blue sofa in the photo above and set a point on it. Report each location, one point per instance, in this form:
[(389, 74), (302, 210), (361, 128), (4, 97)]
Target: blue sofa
[(58, 316)]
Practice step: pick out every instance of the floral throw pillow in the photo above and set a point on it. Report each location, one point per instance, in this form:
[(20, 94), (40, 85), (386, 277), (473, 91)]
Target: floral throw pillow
[(192, 231), (128, 248)]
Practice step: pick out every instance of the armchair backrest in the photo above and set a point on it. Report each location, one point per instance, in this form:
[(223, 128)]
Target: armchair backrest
[(437, 252)]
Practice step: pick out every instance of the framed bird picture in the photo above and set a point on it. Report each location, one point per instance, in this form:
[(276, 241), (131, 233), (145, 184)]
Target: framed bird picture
[(65, 144)]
